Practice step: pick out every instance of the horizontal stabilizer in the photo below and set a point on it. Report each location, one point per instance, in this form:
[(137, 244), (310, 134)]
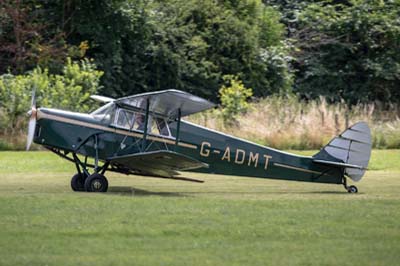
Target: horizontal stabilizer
[(157, 163), (343, 165), (350, 150)]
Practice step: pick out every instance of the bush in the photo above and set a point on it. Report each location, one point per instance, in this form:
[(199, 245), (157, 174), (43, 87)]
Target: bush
[(233, 98), (71, 91)]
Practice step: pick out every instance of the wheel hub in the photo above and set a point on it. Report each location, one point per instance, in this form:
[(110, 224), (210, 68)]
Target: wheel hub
[(97, 185)]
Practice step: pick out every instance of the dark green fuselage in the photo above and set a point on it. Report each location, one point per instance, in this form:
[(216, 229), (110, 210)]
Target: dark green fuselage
[(228, 155)]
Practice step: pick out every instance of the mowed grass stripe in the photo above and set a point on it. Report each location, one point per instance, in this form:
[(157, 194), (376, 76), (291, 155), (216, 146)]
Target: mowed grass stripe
[(225, 221)]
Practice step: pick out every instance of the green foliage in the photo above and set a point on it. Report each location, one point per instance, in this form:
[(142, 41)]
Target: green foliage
[(118, 35), (15, 94), (350, 50), (188, 45), (33, 33), (196, 43), (233, 98), (70, 91), (339, 49)]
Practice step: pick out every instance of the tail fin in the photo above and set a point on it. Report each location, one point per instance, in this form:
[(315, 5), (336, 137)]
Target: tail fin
[(351, 150)]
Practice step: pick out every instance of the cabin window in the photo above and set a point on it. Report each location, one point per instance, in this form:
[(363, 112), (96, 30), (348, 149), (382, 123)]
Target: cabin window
[(130, 120), (125, 119), (136, 121), (162, 127), (154, 128), (159, 126), (139, 122)]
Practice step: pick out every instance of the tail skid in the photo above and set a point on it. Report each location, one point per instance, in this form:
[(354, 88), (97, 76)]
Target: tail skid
[(351, 151)]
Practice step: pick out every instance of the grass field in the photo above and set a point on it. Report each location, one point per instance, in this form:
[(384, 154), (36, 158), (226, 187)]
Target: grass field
[(224, 221)]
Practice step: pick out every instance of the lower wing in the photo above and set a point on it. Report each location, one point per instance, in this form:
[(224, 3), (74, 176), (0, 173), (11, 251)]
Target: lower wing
[(157, 163)]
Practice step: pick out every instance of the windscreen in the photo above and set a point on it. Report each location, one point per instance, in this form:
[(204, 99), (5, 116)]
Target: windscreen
[(105, 114)]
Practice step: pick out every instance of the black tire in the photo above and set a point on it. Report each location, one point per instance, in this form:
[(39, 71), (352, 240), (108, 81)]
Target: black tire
[(78, 182), (352, 189), (96, 183)]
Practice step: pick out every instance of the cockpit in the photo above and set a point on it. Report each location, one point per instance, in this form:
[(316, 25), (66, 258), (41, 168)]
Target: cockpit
[(131, 120), (163, 107)]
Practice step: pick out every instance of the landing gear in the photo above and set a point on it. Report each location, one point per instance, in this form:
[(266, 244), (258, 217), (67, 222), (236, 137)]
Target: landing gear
[(78, 182), (93, 183), (85, 181), (350, 189), (89, 177), (96, 183)]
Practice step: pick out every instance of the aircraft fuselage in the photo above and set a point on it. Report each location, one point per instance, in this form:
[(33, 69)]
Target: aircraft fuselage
[(225, 154)]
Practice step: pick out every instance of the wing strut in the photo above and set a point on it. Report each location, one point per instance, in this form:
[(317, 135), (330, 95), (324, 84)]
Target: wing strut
[(146, 123), (178, 127)]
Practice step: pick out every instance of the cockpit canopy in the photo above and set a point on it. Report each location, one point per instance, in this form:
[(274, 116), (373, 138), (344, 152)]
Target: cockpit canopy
[(163, 107), (132, 120)]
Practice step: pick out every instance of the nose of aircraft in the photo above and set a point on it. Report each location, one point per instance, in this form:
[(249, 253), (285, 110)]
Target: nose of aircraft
[(32, 121)]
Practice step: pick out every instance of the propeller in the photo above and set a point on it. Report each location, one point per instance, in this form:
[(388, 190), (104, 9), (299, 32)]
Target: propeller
[(32, 121)]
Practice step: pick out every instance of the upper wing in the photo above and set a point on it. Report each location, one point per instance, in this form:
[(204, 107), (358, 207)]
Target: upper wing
[(167, 103), (157, 163)]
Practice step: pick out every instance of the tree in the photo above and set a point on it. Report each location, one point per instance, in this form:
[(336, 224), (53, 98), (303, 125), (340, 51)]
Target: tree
[(196, 43), (349, 50), (29, 38), (151, 45), (117, 33)]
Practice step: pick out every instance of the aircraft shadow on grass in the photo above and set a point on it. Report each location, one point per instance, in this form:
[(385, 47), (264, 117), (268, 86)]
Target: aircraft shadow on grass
[(132, 191)]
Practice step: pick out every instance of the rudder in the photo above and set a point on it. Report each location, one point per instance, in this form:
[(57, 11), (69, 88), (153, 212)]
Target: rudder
[(352, 147)]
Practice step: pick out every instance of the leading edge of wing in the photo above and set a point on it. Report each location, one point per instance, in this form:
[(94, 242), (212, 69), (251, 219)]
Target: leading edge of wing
[(159, 163)]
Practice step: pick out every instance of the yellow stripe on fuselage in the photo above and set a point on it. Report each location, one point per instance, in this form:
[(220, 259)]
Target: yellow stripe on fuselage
[(42, 115)]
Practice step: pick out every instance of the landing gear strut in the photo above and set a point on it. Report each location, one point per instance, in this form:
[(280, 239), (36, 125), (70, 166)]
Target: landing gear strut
[(84, 181), (350, 189)]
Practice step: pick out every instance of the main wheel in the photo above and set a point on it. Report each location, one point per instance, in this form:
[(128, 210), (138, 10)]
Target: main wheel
[(352, 189), (96, 183), (78, 182)]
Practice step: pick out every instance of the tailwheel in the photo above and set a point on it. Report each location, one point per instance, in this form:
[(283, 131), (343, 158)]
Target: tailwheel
[(78, 182), (96, 183), (352, 189)]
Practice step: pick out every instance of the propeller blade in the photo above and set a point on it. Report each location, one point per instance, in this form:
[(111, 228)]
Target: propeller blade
[(32, 121), (31, 131), (33, 102)]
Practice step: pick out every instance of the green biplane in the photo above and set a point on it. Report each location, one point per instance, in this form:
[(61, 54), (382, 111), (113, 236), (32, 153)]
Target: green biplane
[(144, 134)]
